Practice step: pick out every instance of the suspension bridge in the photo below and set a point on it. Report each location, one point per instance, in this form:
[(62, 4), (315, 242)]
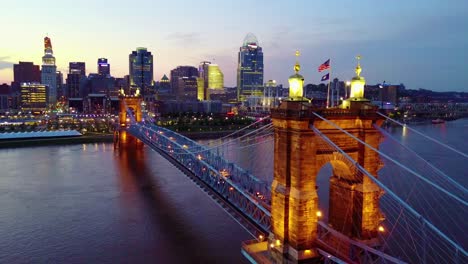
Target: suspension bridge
[(413, 213)]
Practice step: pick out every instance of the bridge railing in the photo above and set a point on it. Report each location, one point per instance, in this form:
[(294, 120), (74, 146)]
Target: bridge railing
[(235, 185), (309, 113), (340, 245)]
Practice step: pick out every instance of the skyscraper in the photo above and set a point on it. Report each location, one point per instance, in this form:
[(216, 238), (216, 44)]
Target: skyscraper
[(76, 84), (26, 72), (179, 87), (49, 71), (250, 68), (141, 69), (60, 88), (103, 66), (77, 67), (215, 81), (203, 74)]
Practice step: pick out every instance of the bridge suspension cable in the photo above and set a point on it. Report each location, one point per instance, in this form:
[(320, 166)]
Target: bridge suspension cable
[(402, 203), (261, 131), (444, 175), (460, 200), (422, 134)]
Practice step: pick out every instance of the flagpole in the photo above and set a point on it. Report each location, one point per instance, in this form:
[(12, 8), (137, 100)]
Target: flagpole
[(328, 91)]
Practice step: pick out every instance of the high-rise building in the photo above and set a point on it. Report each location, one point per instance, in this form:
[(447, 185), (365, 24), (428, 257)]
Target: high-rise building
[(34, 97), (26, 72), (215, 81), (49, 71), (249, 69), (203, 74), (5, 92), (100, 84), (103, 66), (177, 86), (215, 77), (60, 86), (187, 88), (141, 70), (164, 85), (77, 67), (76, 83)]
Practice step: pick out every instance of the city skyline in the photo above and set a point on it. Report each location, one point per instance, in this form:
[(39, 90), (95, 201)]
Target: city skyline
[(417, 43)]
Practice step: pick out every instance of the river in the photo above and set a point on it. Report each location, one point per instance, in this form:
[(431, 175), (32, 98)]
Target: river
[(90, 204)]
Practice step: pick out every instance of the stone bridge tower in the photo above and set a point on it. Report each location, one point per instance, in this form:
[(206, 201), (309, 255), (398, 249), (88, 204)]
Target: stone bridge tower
[(133, 103), (298, 157)]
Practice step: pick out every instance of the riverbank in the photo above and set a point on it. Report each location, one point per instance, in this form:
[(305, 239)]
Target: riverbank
[(97, 138), (32, 142), (212, 134)]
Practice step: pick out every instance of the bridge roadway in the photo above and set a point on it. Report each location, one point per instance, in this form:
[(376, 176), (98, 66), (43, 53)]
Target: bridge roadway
[(244, 193), (239, 193)]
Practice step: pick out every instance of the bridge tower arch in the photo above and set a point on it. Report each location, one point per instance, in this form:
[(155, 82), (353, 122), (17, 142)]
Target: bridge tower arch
[(132, 103), (300, 153)]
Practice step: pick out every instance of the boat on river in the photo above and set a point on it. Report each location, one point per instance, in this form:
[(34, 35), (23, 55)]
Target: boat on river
[(438, 121)]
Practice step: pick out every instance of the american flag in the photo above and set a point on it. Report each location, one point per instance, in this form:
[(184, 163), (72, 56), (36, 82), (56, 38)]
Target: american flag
[(324, 66)]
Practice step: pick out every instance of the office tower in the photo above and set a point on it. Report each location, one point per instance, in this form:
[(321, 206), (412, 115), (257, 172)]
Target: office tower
[(77, 67), (203, 74), (164, 85), (34, 97), (178, 87), (60, 86), (187, 88), (49, 71), (141, 70), (76, 83), (103, 66), (100, 84), (249, 69), (215, 81), (25, 72), (5, 93)]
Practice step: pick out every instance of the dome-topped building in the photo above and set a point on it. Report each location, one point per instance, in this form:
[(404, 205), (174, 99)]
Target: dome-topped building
[(250, 40), (250, 69)]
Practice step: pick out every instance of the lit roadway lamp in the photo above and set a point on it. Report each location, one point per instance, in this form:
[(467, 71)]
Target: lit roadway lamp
[(348, 83)]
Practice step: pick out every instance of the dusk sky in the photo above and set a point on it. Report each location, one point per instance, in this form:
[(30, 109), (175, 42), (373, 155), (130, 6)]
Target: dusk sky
[(423, 44)]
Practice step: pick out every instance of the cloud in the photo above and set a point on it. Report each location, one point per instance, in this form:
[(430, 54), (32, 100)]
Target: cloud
[(4, 64), (180, 38)]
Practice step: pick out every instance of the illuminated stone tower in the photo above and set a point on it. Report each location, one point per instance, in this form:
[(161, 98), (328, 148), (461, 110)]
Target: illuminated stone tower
[(49, 71), (299, 155), (294, 196)]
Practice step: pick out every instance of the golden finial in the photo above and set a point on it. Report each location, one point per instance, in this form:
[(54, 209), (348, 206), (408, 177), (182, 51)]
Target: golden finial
[(358, 67), (297, 67), (358, 58)]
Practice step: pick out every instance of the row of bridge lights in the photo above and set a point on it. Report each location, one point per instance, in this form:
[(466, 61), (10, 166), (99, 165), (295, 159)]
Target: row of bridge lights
[(277, 243), (380, 228), (225, 174), (307, 251)]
